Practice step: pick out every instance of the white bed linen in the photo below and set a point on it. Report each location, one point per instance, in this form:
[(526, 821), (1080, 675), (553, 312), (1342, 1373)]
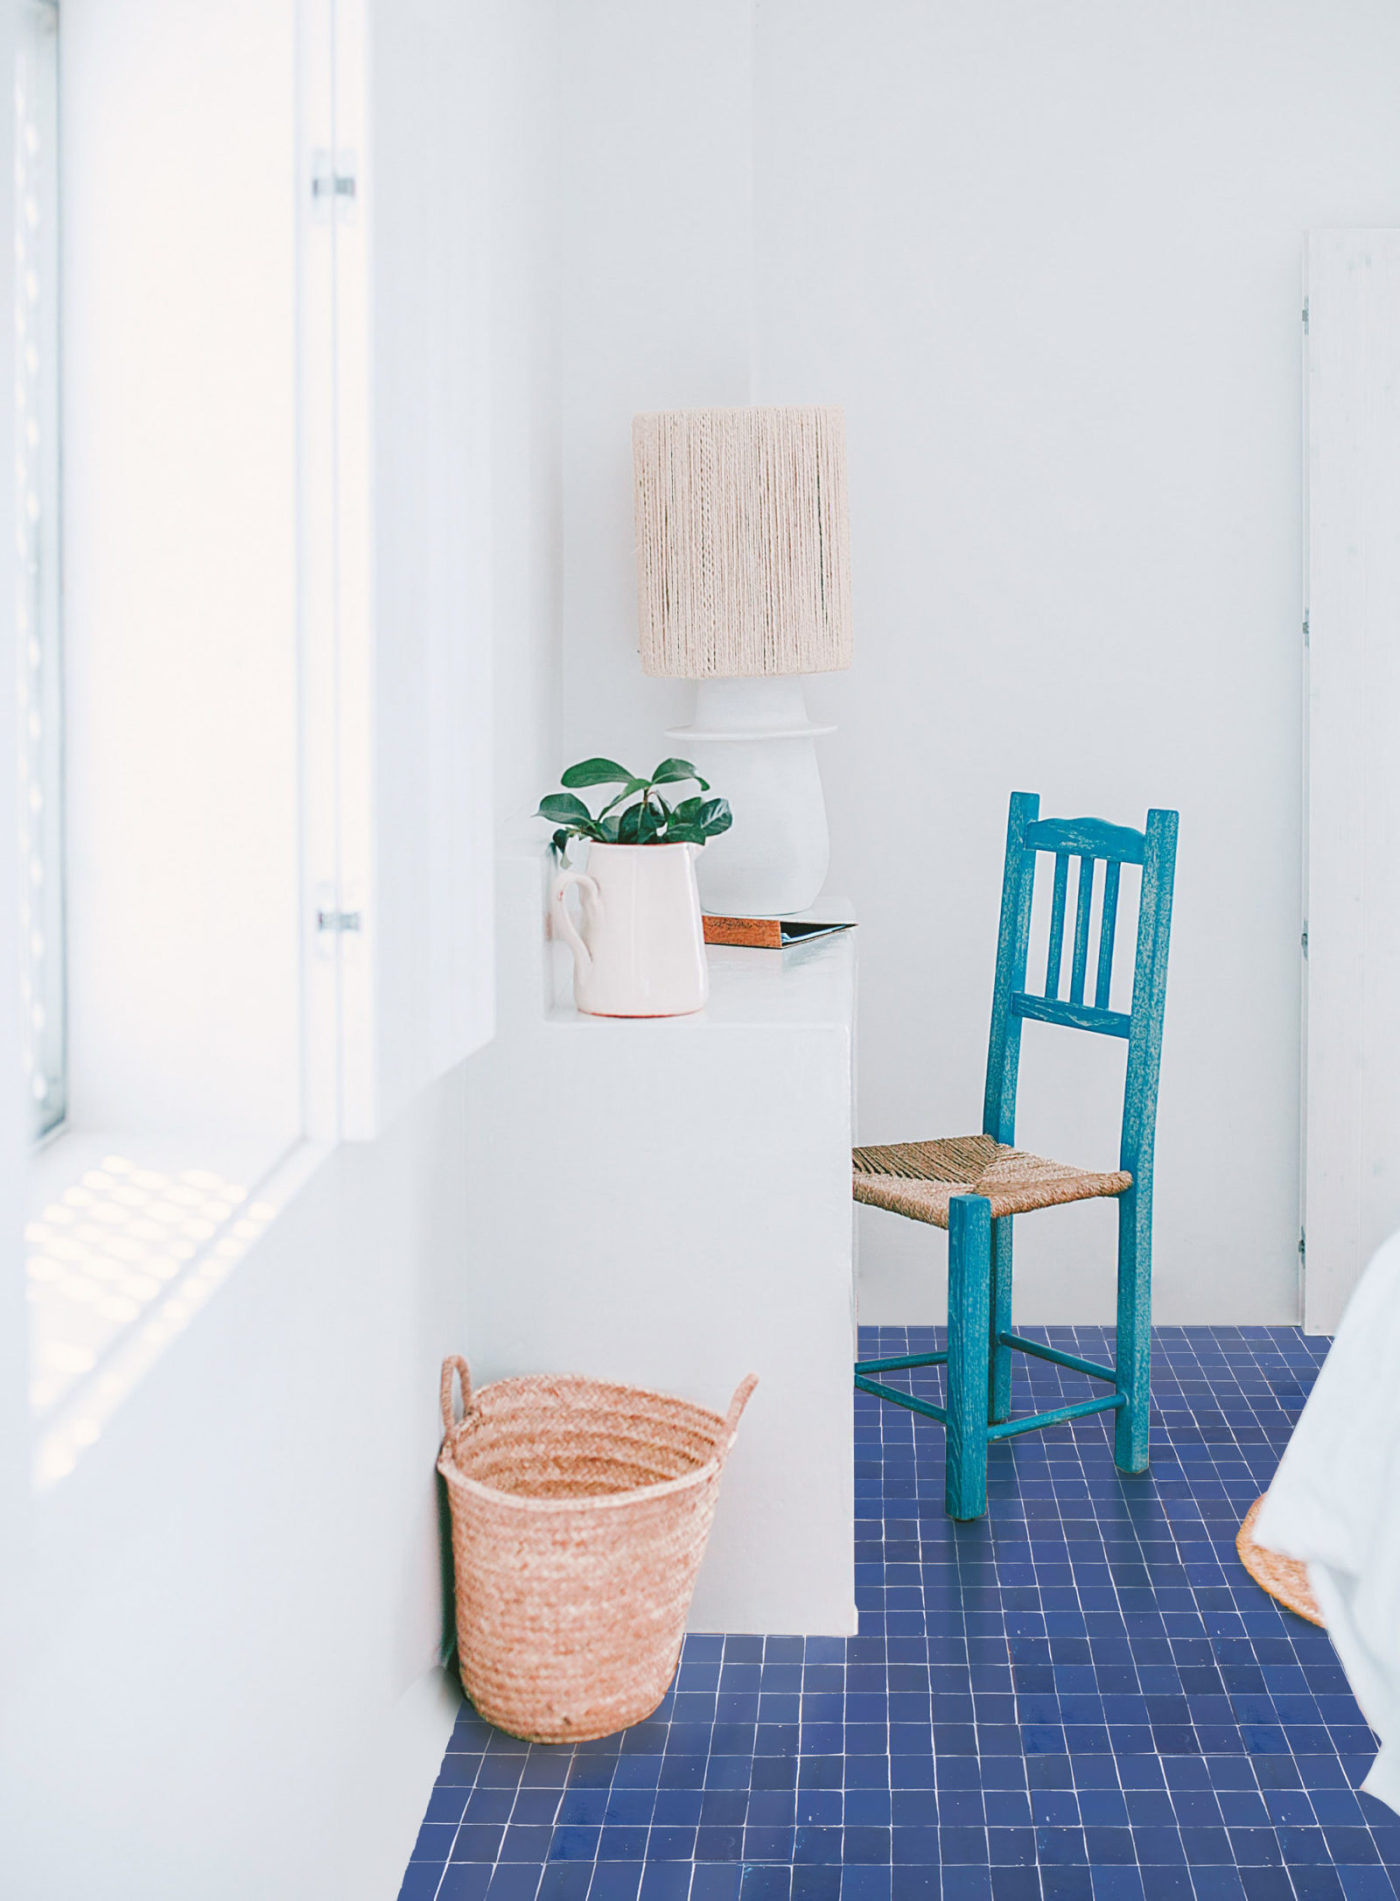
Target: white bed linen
[(1335, 1503)]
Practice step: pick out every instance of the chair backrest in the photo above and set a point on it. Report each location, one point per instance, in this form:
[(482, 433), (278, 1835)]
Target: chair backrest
[(1092, 842)]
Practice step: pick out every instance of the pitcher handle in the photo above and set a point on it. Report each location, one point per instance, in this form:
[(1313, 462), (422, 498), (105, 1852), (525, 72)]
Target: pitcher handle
[(560, 911)]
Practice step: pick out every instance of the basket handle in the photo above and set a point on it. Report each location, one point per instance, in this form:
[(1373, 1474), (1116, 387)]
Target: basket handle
[(736, 1407), (454, 1366)]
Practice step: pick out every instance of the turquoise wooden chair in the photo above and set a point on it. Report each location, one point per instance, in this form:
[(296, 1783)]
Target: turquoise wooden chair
[(974, 1185)]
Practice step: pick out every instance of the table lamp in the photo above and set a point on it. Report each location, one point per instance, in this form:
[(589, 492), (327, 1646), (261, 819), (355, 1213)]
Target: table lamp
[(743, 585)]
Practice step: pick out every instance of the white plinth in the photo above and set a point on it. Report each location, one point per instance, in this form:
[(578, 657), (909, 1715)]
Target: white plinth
[(668, 1203)]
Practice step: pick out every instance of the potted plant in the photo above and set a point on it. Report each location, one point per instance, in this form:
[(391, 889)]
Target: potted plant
[(639, 945)]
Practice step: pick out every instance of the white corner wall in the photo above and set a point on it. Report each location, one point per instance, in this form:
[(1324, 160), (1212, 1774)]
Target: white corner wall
[(1049, 259), (220, 1656)]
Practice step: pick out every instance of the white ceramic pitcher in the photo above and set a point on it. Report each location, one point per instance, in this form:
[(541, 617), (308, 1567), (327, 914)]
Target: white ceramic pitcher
[(639, 944)]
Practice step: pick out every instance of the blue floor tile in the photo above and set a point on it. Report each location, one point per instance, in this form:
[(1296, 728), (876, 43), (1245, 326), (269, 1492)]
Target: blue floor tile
[(421, 1883), (465, 1881), (1082, 1697)]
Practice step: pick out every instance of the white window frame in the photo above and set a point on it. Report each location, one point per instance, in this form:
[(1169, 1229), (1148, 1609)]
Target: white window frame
[(43, 988)]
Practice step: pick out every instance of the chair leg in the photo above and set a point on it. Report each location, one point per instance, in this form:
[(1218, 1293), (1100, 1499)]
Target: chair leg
[(969, 1342), (1134, 1341), (1000, 1407)]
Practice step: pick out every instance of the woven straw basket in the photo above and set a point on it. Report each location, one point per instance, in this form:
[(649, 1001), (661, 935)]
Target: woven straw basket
[(580, 1514)]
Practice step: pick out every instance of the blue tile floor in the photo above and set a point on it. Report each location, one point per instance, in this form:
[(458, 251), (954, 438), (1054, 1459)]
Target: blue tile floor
[(1081, 1698)]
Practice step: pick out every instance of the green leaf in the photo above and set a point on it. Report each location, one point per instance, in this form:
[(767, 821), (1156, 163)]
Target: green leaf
[(563, 809), (598, 772), (651, 822), (672, 770), (648, 821), (632, 785), (714, 817)]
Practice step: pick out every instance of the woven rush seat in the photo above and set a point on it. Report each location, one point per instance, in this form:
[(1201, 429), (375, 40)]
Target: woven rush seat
[(919, 1179)]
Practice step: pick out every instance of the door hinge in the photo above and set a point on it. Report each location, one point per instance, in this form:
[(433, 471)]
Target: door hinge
[(1303, 1245), (1307, 630), (1304, 940), (1305, 316), (337, 920)]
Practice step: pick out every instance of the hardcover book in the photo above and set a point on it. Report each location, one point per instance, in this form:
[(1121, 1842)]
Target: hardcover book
[(766, 933)]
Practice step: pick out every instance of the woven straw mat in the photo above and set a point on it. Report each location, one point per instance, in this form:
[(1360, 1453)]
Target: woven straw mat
[(1283, 1578)]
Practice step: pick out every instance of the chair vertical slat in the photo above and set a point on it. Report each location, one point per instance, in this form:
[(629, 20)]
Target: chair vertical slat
[(1055, 955), (1083, 904), (1013, 942), (1108, 925)]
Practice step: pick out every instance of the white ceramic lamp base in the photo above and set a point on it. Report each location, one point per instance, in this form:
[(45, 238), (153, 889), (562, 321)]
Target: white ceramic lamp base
[(753, 741)]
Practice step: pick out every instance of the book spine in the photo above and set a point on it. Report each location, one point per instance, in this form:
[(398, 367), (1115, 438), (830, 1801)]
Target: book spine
[(749, 933)]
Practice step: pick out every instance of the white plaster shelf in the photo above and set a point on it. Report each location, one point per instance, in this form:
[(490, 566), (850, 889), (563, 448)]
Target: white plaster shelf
[(668, 1203)]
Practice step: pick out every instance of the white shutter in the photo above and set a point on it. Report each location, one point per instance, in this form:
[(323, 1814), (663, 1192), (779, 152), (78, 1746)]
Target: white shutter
[(397, 587)]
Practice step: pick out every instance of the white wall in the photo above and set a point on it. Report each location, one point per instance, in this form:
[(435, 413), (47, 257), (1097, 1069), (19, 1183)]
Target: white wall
[(527, 580), (220, 1651), (1050, 262), (657, 308), (229, 1685)]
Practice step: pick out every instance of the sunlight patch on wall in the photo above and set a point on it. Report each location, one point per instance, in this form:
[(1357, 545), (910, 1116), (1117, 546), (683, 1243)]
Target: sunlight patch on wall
[(118, 1265)]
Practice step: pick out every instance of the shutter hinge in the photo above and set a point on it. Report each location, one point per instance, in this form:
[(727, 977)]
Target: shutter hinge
[(334, 186), (337, 920), (1305, 316)]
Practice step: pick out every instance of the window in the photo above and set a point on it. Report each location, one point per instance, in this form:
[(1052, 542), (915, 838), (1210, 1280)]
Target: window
[(38, 611), (264, 925)]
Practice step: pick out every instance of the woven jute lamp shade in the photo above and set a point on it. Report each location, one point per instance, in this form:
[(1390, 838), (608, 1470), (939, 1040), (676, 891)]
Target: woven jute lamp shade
[(743, 544)]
